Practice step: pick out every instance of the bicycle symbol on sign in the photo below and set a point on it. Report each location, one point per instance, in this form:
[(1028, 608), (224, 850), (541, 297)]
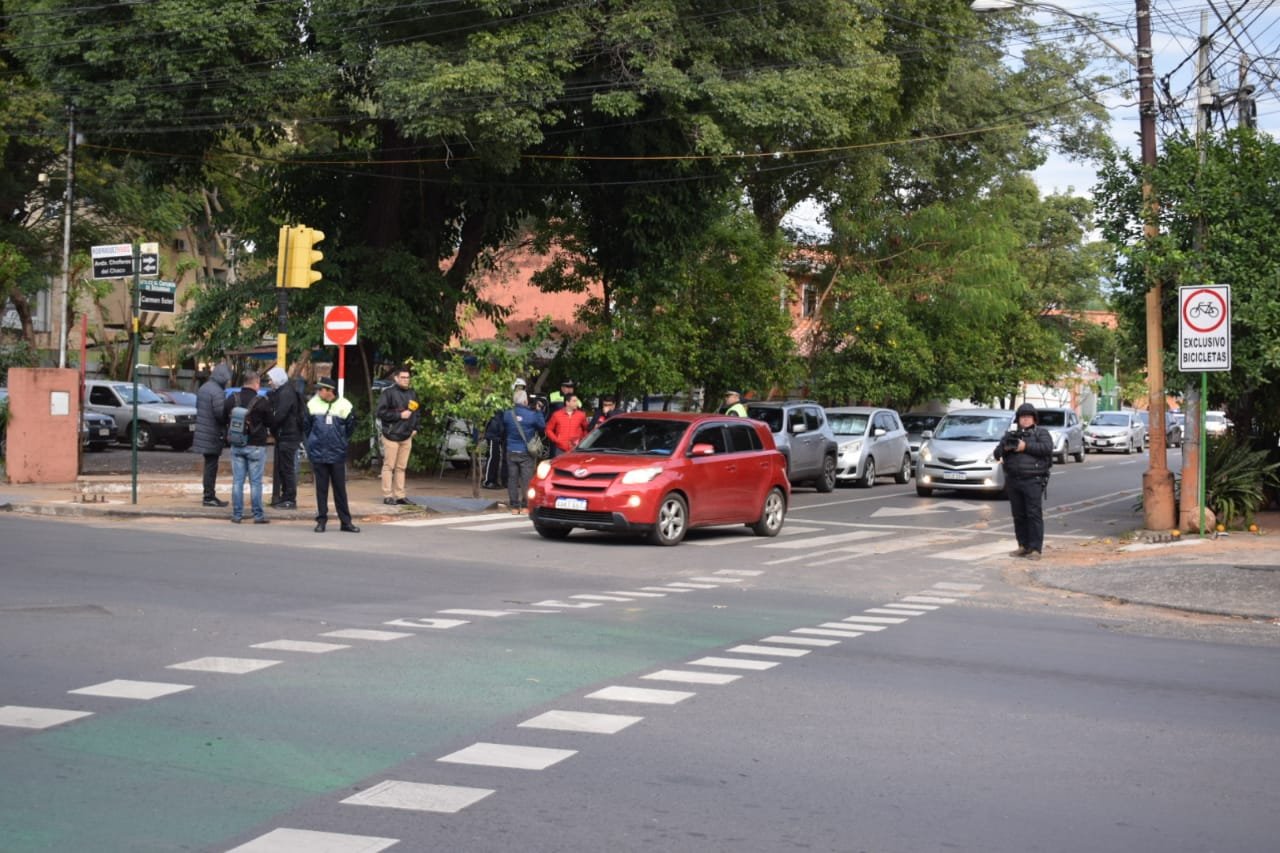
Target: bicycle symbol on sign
[(1206, 308)]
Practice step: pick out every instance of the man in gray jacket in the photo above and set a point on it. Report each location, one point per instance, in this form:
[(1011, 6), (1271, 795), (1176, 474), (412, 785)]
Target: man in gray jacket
[(211, 426)]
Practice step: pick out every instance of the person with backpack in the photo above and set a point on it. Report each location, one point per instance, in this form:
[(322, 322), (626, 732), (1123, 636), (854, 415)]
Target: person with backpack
[(523, 425), (248, 418), (287, 413), (329, 423)]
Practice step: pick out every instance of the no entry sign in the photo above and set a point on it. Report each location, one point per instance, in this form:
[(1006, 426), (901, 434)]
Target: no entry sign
[(340, 325), (1204, 328)]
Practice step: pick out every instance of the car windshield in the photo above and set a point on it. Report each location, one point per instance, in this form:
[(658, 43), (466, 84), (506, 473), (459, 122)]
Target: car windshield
[(145, 394), (1215, 416), (848, 424), (635, 436), (1110, 419), (1051, 418), (920, 423), (1143, 416), (972, 427), (768, 414)]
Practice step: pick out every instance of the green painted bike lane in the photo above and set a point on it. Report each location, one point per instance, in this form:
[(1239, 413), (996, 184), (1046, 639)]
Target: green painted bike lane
[(191, 770)]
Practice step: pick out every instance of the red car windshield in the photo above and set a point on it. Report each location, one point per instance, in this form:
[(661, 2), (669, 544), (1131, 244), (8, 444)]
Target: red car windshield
[(636, 436)]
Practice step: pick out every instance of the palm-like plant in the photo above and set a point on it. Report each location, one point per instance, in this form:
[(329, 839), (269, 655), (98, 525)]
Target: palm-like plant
[(1236, 477)]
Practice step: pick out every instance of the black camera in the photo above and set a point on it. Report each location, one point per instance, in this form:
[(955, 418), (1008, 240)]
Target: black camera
[(1010, 442)]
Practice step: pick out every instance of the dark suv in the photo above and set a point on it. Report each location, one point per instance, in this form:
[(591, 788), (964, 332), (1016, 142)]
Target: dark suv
[(801, 432)]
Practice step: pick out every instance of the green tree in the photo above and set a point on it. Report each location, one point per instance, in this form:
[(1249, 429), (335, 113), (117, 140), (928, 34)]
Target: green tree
[(1217, 225)]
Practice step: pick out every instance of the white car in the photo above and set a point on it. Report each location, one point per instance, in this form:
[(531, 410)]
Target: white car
[(870, 443), (1120, 432), (1216, 424), (960, 453)]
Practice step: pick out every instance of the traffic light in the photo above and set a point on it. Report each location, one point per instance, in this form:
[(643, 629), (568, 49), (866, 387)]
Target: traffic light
[(285, 252), (303, 256)]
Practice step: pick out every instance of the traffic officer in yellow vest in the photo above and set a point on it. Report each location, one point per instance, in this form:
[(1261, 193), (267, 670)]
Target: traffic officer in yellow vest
[(733, 405)]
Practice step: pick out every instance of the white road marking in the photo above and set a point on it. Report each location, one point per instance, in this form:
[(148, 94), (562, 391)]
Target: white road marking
[(749, 649), (427, 622), (746, 573), (586, 596), (876, 620), (927, 599), (418, 797), (20, 716), (891, 611), (684, 585), (974, 552), (688, 677), (635, 594), (665, 589), (551, 602), (581, 721), (717, 580), (735, 663), (913, 608), (646, 695), (931, 507), (122, 688), (799, 641), (959, 587), (227, 666), (509, 755), (826, 632), (285, 840), (300, 646), (462, 611), (738, 538), (365, 634), (849, 626), (820, 541)]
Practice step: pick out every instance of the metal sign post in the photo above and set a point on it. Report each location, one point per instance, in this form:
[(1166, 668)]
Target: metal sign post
[(1204, 347)]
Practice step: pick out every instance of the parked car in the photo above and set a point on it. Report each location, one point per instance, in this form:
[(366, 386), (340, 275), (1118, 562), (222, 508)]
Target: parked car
[(1118, 431), (916, 425), (1174, 429), (802, 434), (158, 422), (97, 431), (959, 453), (871, 442), (662, 473), (1216, 424), (1068, 433), (178, 398)]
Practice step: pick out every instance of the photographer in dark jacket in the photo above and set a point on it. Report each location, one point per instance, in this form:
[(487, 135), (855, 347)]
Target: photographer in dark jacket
[(398, 415), (1027, 454)]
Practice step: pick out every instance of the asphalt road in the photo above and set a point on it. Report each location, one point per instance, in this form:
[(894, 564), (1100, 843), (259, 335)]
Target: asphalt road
[(510, 705)]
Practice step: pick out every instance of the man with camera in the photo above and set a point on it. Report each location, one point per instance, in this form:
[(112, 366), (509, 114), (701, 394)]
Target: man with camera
[(1027, 454)]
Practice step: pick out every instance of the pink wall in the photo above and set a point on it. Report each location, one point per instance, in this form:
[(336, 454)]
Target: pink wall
[(43, 447)]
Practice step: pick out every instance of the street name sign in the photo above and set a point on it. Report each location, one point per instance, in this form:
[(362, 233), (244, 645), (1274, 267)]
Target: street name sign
[(1204, 328), (159, 296), (114, 261), (341, 324)]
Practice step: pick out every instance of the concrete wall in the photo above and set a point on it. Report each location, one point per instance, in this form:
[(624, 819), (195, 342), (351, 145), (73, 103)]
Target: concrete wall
[(43, 439)]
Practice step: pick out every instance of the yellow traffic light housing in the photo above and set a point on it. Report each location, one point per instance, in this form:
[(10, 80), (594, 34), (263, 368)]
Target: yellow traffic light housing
[(282, 259), (302, 256)]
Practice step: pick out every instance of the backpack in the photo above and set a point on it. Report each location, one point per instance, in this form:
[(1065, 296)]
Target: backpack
[(238, 429)]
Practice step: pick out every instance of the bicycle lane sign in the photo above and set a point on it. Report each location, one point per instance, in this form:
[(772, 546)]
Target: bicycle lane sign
[(1204, 328)]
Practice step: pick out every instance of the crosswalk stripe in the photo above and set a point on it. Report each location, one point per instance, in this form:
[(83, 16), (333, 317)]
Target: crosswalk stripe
[(646, 695), (927, 599), (288, 840), (734, 663), (752, 649), (799, 641), (635, 594), (687, 677), (958, 587), (462, 611), (581, 721), (894, 611), (826, 632), (509, 755), (850, 626), (974, 552), (411, 796), (913, 609), (24, 717), (876, 620), (588, 596), (123, 688), (820, 541)]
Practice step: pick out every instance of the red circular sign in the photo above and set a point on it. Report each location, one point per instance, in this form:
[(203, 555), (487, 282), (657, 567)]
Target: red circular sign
[(340, 325), (1204, 310)]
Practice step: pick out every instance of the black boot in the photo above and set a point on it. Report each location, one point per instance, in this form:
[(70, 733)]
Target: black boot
[(320, 525)]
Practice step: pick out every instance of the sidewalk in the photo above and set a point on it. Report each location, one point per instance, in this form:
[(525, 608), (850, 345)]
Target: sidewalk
[(179, 496), (1236, 575)]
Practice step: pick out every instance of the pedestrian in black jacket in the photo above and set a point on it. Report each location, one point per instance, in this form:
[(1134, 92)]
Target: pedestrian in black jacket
[(287, 412), (398, 414), (211, 428), (495, 457), (249, 460), (1027, 455)]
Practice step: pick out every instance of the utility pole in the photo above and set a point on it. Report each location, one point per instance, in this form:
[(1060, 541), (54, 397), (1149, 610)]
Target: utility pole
[(1158, 507), (68, 199), (1189, 504)]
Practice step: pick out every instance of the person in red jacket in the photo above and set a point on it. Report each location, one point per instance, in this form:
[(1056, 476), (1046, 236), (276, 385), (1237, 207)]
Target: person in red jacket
[(568, 426)]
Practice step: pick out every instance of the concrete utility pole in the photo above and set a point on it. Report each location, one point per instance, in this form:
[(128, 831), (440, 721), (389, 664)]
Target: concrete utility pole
[(1158, 508)]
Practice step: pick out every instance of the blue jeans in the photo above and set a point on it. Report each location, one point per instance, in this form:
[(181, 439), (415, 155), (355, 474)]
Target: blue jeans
[(249, 460)]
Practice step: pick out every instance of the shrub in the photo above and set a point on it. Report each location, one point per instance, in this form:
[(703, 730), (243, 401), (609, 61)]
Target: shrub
[(1236, 479)]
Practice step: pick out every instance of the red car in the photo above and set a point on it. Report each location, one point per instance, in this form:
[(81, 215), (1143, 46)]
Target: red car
[(661, 473)]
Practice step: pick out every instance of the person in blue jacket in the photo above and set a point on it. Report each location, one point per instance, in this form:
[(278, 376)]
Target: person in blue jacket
[(521, 423), (328, 426)]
